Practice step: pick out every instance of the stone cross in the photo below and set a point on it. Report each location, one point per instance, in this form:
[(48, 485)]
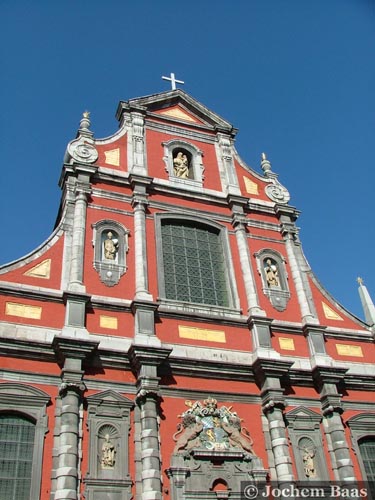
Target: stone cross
[(173, 80)]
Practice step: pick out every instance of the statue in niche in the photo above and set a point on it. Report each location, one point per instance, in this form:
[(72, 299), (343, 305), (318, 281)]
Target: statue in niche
[(181, 166), (110, 247), (272, 273), (308, 462), (108, 454)]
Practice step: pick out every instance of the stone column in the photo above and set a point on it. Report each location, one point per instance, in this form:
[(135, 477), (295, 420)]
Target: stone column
[(253, 307), (82, 191), (268, 373), (289, 232), (145, 361), (71, 352), (139, 204), (326, 379)]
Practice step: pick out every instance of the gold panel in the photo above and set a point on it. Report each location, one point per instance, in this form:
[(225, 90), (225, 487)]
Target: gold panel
[(108, 322), (251, 187), (112, 157), (287, 344), (23, 310), (41, 270), (178, 113), (330, 313), (349, 350), (189, 332)]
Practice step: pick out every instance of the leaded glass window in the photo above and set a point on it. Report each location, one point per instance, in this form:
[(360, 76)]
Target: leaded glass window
[(367, 449), (194, 263), (16, 457)]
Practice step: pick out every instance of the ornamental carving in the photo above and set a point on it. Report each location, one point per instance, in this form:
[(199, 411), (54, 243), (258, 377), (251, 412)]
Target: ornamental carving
[(82, 150), (278, 193), (212, 428)]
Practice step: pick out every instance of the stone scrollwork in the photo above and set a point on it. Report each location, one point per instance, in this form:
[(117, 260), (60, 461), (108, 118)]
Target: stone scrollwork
[(83, 150), (206, 426), (278, 193)]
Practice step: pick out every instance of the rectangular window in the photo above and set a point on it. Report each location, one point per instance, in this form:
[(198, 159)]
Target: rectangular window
[(194, 264), (16, 457)]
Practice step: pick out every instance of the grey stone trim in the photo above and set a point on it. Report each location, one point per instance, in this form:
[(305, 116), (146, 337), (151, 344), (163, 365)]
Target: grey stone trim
[(230, 275), (224, 155), (305, 423), (253, 306), (110, 271), (196, 167), (139, 203), (35, 292), (183, 310), (136, 134), (34, 403), (268, 374), (208, 138), (71, 352), (108, 412), (34, 254), (307, 313), (145, 360), (327, 379), (279, 295), (361, 426)]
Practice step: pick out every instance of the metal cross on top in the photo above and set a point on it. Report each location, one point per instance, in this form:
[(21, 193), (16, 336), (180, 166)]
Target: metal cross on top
[(173, 80)]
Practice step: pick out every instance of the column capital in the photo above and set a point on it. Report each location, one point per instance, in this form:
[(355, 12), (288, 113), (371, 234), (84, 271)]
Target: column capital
[(270, 368), (141, 355), (71, 348)]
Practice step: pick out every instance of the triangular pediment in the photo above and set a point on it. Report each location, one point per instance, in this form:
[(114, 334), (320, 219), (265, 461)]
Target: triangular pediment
[(109, 397), (177, 105)]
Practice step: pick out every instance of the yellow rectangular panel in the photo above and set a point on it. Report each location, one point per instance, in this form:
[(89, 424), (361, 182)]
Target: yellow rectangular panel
[(251, 187), (109, 322), (188, 332), (23, 310), (287, 344), (349, 350), (112, 157)]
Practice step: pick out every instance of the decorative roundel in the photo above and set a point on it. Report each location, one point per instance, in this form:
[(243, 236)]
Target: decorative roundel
[(82, 151), (278, 193)]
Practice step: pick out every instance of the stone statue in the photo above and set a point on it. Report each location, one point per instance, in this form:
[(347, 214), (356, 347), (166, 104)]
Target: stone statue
[(108, 454), (110, 247), (180, 166), (190, 430), (238, 437), (272, 274), (308, 462)]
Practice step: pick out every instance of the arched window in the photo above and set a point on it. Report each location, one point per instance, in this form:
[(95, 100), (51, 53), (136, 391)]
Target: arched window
[(17, 435), (194, 265)]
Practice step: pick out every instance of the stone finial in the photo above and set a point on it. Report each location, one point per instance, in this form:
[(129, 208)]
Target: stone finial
[(360, 280), (85, 121), (265, 165)]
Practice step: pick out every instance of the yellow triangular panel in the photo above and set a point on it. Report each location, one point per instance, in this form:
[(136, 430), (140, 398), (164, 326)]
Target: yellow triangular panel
[(112, 157), (41, 270), (177, 112), (251, 187), (330, 313)]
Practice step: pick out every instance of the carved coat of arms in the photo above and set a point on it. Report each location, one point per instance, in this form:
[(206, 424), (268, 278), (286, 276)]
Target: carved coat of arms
[(207, 426)]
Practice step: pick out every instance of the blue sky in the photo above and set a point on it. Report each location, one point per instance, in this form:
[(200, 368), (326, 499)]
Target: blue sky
[(297, 78)]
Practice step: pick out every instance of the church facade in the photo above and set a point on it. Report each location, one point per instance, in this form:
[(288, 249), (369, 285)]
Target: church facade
[(169, 339)]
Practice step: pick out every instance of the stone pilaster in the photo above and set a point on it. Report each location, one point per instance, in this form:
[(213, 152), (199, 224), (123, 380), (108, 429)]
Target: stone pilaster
[(70, 353), (239, 224), (326, 379), (145, 361), (138, 143), (268, 373), (290, 235), (139, 204)]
